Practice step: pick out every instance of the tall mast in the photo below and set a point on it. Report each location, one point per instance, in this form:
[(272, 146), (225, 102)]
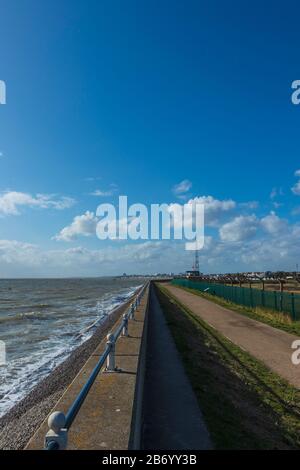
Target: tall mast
[(196, 261)]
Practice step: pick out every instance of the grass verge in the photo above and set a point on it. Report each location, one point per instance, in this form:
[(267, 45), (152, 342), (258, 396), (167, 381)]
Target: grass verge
[(245, 405), (270, 317)]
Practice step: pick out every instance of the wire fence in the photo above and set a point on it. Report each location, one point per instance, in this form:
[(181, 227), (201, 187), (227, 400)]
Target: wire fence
[(288, 303)]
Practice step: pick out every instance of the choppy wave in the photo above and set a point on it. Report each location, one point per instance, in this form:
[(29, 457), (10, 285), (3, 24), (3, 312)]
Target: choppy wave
[(40, 339)]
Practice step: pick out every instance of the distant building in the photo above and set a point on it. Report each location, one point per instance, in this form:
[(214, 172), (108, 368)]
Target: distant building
[(192, 273)]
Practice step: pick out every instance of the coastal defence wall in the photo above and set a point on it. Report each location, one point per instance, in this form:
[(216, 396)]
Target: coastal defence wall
[(110, 417)]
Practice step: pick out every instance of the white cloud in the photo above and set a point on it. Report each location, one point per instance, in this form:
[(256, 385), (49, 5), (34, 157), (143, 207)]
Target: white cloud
[(99, 192), (249, 205), (84, 225), (11, 201), (280, 254), (19, 258), (214, 209), (242, 228), (113, 188), (182, 188), (239, 229), (129, 252), (12, 251), (273, 224), (296, 188)]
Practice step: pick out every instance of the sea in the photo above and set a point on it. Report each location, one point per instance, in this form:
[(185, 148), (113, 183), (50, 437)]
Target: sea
[(43, 320)]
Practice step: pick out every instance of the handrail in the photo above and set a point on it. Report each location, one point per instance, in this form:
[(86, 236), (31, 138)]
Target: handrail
[(75, 407), (59, 424)]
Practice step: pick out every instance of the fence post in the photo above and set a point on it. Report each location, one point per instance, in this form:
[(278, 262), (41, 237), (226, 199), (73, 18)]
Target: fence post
[(280, 300), (263, 297), (275, 300), (293, 306)]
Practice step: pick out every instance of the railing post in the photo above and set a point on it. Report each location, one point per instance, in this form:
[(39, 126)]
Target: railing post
[(57, 436), (125, 325), (132, 311), (110, 362)]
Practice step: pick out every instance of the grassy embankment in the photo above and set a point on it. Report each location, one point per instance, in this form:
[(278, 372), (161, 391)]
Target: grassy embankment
[(268, 316), (245, 405)]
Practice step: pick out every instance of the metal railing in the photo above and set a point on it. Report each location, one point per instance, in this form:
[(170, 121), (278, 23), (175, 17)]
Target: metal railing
[(59, 423)]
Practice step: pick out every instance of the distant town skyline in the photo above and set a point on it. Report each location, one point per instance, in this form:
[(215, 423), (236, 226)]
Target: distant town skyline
[(164, 102)]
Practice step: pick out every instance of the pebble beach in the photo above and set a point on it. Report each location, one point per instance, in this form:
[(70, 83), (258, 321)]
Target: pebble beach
[(19, 424)]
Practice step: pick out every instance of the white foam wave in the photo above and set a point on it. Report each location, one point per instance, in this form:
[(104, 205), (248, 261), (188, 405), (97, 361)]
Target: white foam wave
[(21, 374)]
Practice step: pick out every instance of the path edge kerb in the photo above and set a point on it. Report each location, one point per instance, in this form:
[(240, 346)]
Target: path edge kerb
[(136, 431)]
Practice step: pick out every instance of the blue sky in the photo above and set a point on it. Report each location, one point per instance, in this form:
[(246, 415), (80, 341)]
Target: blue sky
[(133, 98)]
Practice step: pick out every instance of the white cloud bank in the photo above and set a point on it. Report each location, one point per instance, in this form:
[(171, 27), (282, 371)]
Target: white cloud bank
[(12, 201), (263, 252), (242, 228), (215, 209), (237, 239), (19, 259), (82, 225), (273, 224), (239, 229)]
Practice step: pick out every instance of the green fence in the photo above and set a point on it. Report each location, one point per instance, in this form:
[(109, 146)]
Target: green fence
[(280, 301)]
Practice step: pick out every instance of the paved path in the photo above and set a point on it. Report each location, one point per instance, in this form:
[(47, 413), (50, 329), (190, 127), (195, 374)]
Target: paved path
[(172, 419), (270, 345)]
